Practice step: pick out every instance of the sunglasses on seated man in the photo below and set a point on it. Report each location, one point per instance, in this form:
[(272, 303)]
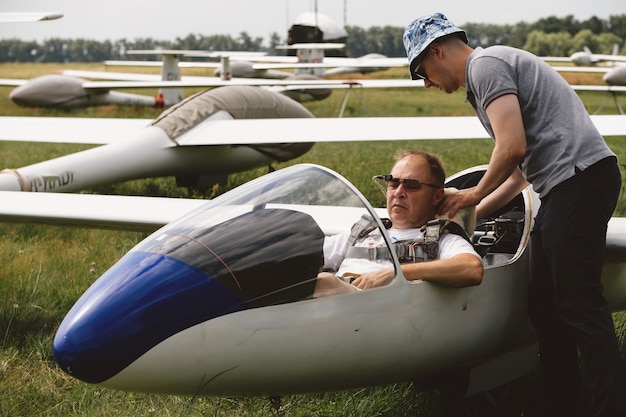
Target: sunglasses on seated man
[(408, 183)]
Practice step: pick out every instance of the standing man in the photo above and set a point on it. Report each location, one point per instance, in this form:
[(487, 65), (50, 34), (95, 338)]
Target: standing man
[(543, 136)]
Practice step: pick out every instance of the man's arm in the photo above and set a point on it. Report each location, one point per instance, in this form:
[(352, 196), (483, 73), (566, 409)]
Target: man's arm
[(502, 195), (505, 117), (462, 270)]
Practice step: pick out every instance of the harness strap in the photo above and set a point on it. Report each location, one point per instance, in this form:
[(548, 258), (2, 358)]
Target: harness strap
[(373, 253), (412, 250), (364, 227), (407, 251)]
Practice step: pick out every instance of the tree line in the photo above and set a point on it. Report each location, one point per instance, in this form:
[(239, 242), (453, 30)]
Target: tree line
[(551, 36)]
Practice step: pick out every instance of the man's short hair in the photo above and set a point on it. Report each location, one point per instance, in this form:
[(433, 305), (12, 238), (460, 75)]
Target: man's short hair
[(437, 172)]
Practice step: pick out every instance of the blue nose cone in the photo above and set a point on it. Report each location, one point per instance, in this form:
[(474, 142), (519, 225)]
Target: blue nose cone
[(144, 299)]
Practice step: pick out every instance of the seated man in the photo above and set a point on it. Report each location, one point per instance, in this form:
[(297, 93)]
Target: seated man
[(414, 191)]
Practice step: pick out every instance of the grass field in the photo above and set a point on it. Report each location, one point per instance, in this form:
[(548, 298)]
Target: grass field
[(45, 269)]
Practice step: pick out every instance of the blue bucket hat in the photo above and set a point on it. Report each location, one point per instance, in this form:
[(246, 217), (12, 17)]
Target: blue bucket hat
[(422, 32)]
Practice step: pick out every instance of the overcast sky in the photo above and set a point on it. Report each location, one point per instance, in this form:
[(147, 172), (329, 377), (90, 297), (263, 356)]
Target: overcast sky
[(167, 20)]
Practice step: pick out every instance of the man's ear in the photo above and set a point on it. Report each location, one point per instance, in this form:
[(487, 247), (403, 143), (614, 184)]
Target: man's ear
[(439, 194), (436, 50)]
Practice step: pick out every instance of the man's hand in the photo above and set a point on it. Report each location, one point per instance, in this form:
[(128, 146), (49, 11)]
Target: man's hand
[(374, 279), (455, 201)]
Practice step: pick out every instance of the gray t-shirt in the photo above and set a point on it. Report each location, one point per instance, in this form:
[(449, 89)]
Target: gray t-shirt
[(560, 135)]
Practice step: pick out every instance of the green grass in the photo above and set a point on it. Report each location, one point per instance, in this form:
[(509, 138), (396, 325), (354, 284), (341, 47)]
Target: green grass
[(45, 269)]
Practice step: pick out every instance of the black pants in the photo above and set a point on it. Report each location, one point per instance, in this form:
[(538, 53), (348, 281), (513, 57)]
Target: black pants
[(566, 302)]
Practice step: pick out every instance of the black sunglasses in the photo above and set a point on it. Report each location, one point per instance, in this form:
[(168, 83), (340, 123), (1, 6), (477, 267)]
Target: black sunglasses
[(420, 74), (393, 183), (418, 71)]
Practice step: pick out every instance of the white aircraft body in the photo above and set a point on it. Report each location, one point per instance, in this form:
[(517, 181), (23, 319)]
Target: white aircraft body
[(214, 133), (20, 17), (69, 90), (614, 77), (219, 301), (162, 147), (586, 58)]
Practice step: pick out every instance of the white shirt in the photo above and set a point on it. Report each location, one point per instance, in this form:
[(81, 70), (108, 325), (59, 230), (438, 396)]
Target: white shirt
[(335, 248)]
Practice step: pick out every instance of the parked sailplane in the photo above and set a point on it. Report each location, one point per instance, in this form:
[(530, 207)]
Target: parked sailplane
[(586, 58), (67, 90), (208, 136), (219, 302), (614, 77), (70, 88)]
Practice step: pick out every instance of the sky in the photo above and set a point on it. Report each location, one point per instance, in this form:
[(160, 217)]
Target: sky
[(167, 19)]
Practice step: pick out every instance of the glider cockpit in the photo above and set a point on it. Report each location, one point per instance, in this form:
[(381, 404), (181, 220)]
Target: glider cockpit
[(258, 245)]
